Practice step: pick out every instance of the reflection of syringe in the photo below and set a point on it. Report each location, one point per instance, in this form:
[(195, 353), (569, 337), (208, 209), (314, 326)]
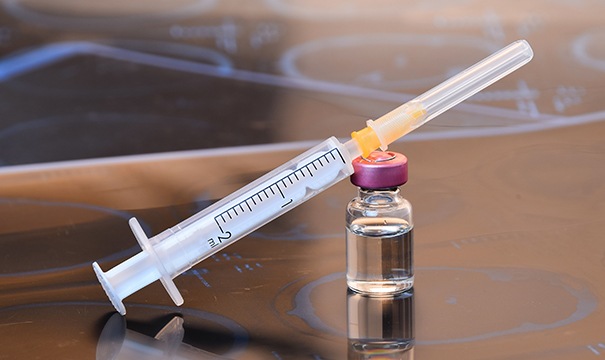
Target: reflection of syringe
[(175, 250)]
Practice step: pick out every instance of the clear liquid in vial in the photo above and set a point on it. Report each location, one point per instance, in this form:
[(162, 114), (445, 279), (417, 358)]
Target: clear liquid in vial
[(379, 256)]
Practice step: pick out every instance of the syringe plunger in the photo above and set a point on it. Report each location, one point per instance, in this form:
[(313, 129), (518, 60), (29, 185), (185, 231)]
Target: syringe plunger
[(136, 273)]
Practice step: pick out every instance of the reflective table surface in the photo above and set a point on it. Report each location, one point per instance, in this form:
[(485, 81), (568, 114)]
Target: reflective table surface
[(157, 109)]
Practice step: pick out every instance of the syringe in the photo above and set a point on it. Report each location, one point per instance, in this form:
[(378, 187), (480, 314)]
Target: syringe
[(175, 250)]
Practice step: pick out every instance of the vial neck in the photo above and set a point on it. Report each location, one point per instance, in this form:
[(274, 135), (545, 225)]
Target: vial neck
[(371, 195)]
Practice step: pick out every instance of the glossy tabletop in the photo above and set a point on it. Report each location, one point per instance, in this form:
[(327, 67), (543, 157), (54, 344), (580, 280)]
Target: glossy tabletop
[(156, 109)]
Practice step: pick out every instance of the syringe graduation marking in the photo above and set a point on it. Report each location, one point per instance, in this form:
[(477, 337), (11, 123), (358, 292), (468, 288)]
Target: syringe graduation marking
[(279, 185)]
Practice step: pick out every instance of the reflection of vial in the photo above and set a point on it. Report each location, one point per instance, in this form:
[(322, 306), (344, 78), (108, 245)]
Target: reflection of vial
[(380, 328), (379, 227)]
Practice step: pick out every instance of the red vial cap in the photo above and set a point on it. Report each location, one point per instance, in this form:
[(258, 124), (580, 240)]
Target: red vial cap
[(380, 170)]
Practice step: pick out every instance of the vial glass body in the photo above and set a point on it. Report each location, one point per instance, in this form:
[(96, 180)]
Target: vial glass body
[(379, 232)]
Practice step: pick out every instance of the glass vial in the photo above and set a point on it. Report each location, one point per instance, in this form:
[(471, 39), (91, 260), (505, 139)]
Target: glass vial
[(379, 228)]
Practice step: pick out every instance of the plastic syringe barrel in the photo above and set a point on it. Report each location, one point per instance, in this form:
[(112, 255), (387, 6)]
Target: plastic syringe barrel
[(177, 249)]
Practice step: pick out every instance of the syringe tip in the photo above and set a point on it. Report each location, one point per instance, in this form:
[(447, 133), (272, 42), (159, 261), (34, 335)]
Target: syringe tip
[(389, 127)]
